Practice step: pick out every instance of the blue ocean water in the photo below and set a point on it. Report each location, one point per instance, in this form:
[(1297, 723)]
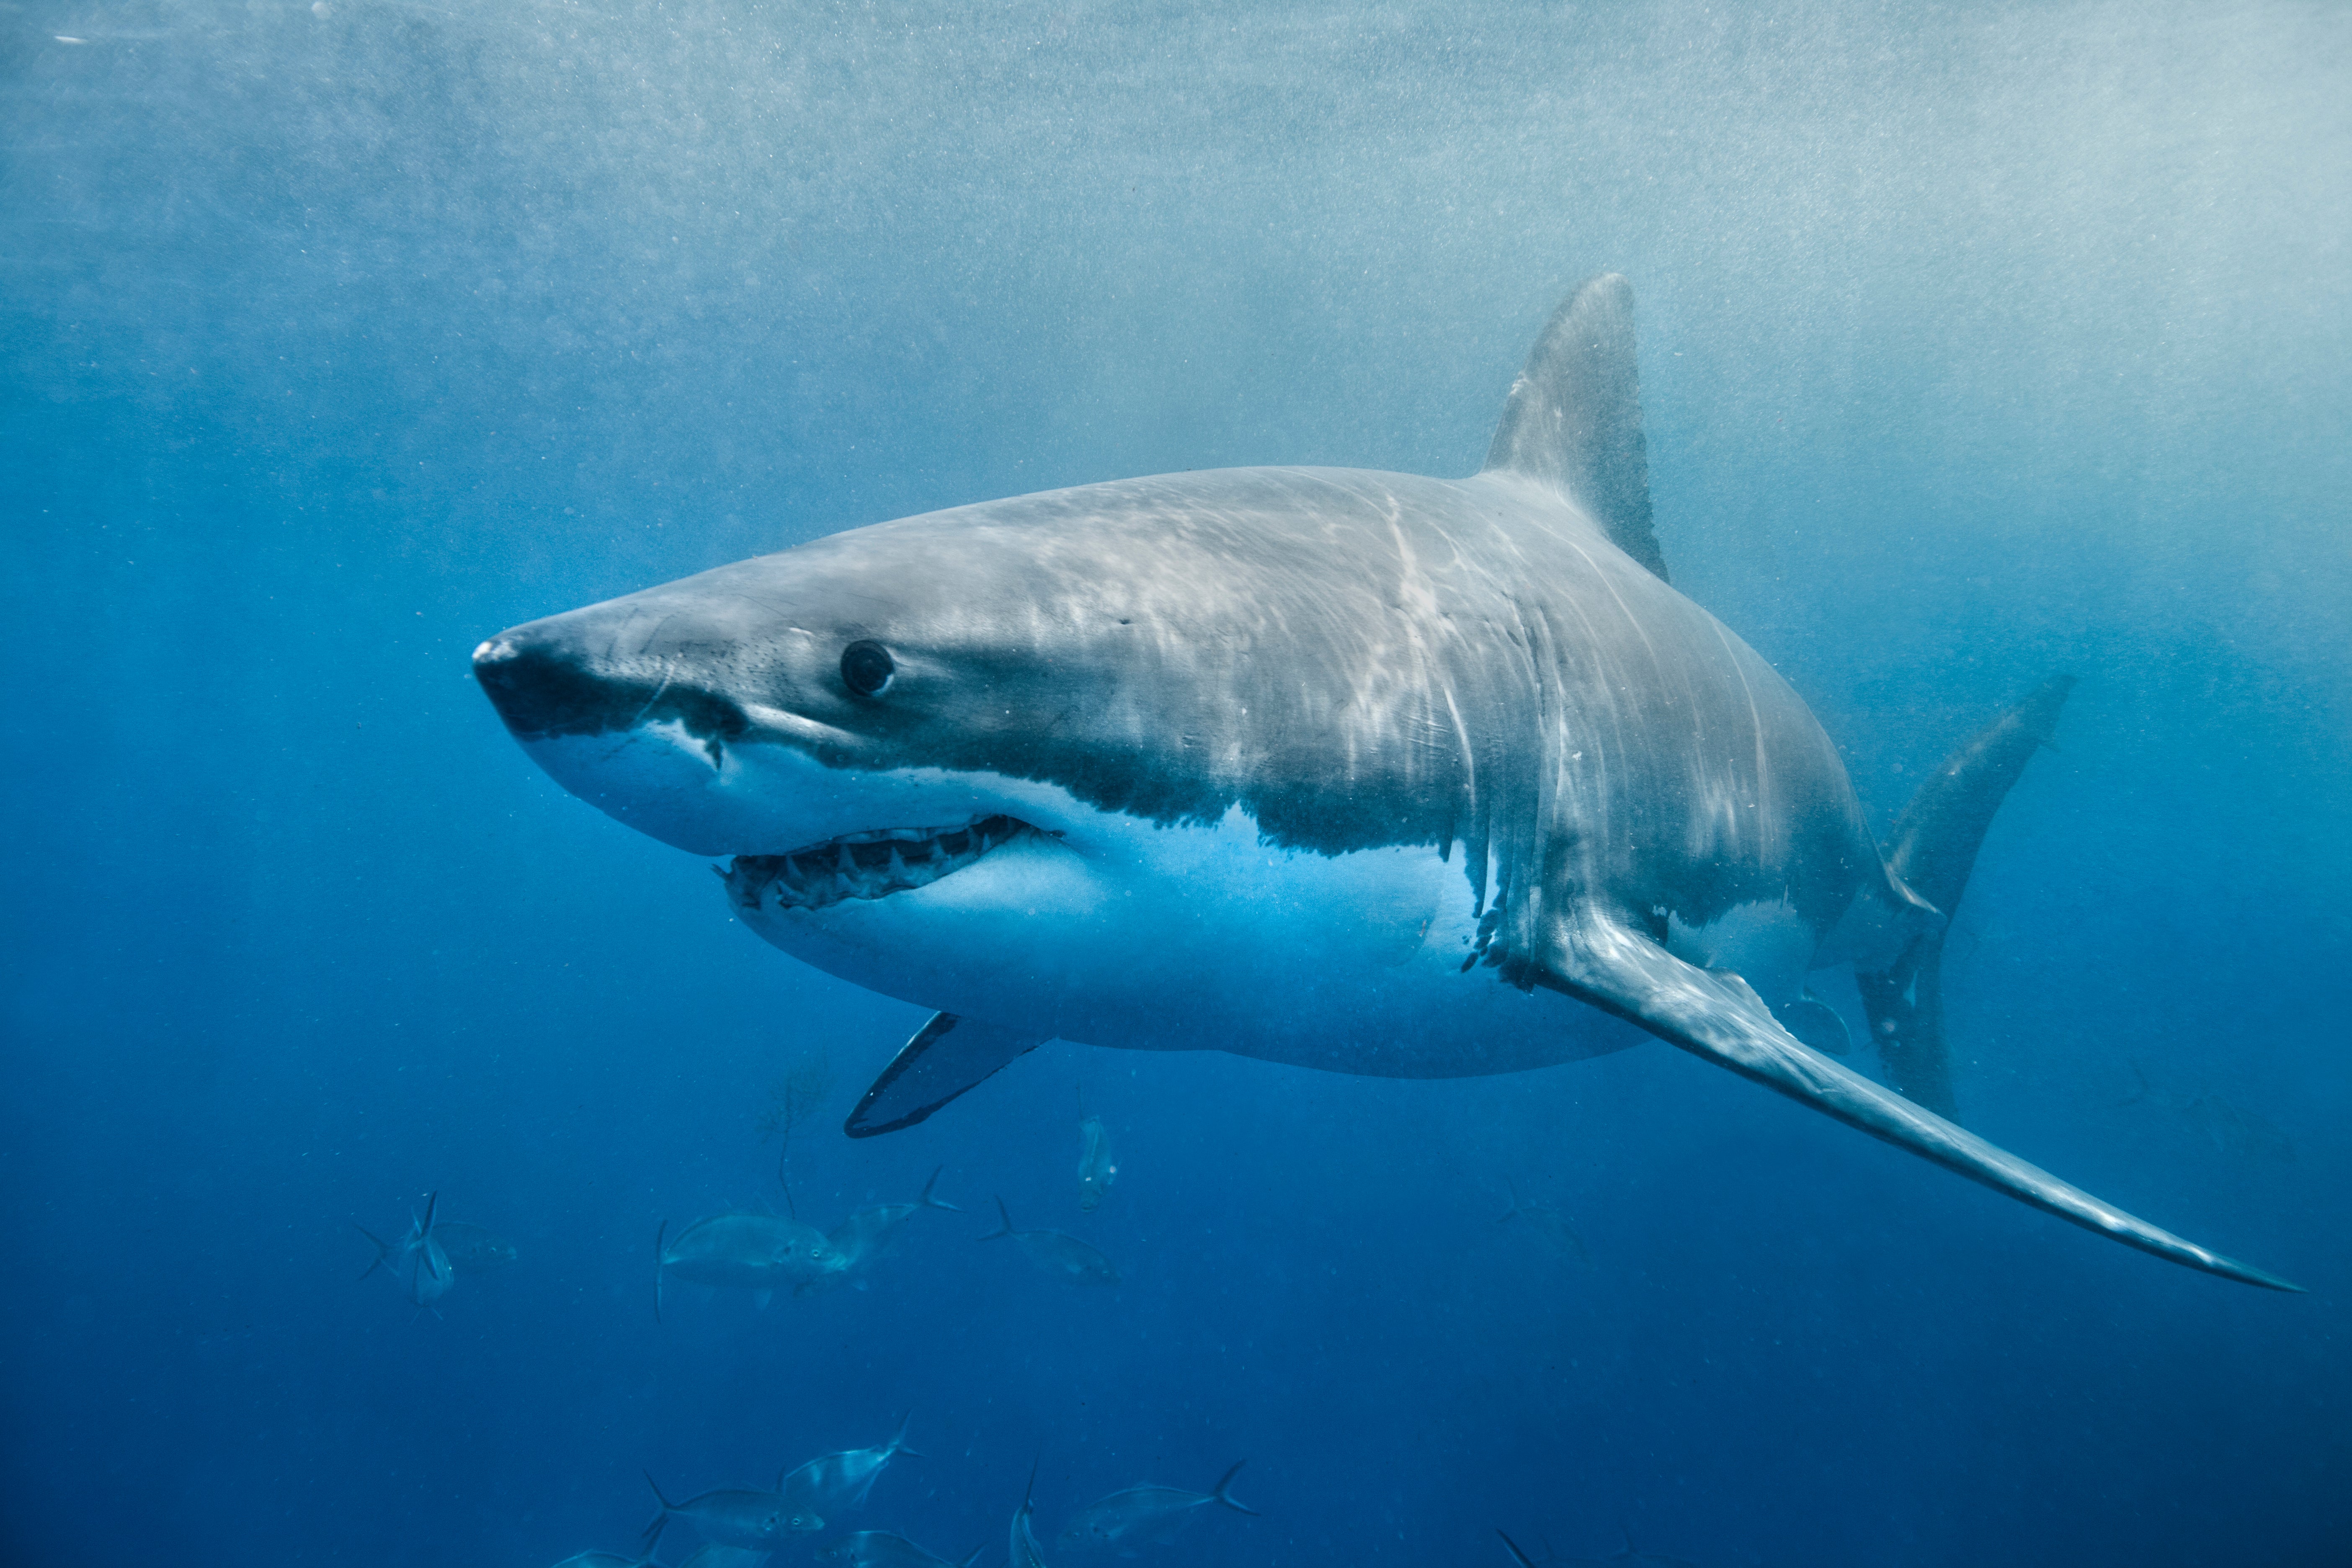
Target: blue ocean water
[(1977, 343)]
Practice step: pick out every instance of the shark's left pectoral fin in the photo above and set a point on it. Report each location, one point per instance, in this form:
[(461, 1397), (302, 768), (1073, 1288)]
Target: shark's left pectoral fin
[(1713, 1014), (947, 1055)]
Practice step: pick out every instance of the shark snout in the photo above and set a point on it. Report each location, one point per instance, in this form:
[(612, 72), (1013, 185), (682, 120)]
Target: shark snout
[(544, 686), (626, 711), (540, 689)]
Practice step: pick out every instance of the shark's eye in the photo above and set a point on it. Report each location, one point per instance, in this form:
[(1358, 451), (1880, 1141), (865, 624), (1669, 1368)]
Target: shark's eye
[(867, 667)]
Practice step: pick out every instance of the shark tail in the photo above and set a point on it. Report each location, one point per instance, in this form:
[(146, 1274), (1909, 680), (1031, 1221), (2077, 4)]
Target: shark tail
[(1933, 850), (929, 1201), (1227, 1497), (1004, 1214), (1517, 1556)]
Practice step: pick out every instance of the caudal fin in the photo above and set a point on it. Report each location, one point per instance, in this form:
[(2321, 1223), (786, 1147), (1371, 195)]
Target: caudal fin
[(1933, 850), (1225, 1497), (897, 1443), (1022, 1541), (1517, 1556), (428, 1254), (1006, 1229), (383, 1251), (929, 1201), (653, 1533)]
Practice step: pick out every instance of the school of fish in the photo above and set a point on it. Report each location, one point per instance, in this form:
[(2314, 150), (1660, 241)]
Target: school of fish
[(760, 1254)]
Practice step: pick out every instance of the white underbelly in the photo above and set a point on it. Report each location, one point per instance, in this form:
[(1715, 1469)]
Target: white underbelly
[(1200, 938)]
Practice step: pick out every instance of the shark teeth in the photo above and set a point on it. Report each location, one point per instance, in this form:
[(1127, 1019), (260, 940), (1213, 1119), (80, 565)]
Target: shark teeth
[(870, 865)]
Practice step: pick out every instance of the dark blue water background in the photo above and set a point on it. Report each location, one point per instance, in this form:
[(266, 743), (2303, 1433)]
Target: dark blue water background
[(1979, 341)]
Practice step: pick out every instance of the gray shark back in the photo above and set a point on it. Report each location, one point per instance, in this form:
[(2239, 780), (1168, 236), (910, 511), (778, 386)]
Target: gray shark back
[(1353, 659)]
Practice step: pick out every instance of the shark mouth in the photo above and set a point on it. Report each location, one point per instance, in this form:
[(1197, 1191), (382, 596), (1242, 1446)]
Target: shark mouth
[(872, 865)]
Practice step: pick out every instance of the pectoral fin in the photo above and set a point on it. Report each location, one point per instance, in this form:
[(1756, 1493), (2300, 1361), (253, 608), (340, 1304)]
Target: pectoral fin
[(947, 1056), (1713, 1014)]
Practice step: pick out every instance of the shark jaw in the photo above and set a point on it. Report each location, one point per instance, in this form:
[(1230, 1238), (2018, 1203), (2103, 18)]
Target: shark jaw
[(871, 863)]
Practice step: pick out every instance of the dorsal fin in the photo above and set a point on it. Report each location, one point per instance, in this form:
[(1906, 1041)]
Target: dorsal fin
[(1574, 417)]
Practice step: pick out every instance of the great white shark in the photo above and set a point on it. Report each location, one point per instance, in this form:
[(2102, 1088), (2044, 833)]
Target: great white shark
[(1359, 771)]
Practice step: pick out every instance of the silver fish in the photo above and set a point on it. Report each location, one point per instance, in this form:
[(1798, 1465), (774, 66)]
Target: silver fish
[(831, 1482), (716, 1555), (1628, 1558), (881, 1549), (1062, 1257), (1025, 1551), (1548, 1223), (2228, 1128), (755, 1252), (470, 1249), (1096, 1170), (762, 1521), (1145, 1513), (417, 1263), (869, 1235)]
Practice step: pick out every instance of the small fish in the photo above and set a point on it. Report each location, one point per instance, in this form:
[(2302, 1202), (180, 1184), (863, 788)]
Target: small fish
[(1145, 1513), (2230, 1128), (716, 1555), (754, 1252), (1548, 1223), (869, 1234), (417, 1263), (832, 1482), (1062, 1257), (470, 1249), (880, 1549), (1095, 1169), (1026, 1552), (1628, 1558), (763, 1521)]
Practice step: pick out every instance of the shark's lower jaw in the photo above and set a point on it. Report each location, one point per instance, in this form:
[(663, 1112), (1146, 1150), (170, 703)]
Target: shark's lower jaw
[(871, 865)]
